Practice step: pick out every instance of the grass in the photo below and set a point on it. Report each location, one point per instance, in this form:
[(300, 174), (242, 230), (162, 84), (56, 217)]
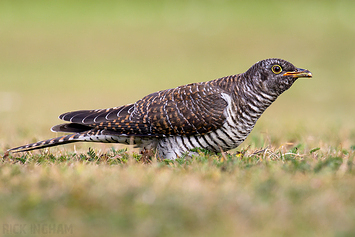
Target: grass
[(288, 191), (293, 176)]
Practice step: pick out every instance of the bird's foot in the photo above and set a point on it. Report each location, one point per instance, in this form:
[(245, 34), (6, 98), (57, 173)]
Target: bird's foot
[(147, 154)]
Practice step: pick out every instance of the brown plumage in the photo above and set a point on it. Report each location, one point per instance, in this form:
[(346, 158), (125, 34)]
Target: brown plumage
[(186, 110), (215, 115)]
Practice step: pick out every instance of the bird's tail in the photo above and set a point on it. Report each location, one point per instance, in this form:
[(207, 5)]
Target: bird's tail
[(87, 136), (50, 142)]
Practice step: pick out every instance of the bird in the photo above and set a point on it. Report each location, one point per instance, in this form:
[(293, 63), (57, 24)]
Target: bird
[(216, 115)]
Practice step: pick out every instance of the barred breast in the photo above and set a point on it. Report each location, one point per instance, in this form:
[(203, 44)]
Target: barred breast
[(215, 115)]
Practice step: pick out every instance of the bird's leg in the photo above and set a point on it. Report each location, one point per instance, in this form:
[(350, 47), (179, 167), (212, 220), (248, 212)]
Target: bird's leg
[(224, 157), (147, 154)]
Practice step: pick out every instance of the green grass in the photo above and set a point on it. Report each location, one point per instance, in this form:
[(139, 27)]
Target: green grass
[(293, 176), (289, 191)]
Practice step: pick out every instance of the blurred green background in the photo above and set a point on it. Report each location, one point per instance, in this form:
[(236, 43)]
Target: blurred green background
[(58, 56)]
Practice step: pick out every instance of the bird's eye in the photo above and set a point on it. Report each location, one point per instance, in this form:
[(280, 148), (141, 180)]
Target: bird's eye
[(276, 69)]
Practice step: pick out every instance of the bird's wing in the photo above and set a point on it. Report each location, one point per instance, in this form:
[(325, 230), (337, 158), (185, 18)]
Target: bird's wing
[(96, 116), (186, 110), (84, 120)]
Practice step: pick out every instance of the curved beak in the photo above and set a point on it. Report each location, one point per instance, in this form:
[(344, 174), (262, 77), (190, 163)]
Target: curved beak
[(299, 72)]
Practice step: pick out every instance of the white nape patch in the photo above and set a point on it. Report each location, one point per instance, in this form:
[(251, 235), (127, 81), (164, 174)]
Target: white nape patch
[(227, 110), (227, 98)]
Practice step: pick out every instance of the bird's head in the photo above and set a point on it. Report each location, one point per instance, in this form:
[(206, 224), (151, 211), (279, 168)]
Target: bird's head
[(275, 75)]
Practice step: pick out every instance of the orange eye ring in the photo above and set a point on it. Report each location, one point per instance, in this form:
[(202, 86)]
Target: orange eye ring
[(277, 69)]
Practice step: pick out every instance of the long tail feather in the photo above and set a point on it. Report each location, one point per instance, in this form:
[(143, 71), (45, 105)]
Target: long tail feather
[(87, 136), (48, 143)]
